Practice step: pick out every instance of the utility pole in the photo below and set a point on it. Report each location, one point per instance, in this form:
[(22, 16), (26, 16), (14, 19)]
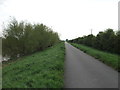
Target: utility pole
[(91, 31)]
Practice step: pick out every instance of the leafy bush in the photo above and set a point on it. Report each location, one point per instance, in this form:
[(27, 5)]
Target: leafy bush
[(107, 41), (20, 38)]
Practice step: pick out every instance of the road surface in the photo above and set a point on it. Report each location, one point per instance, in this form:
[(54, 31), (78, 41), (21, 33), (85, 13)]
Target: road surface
[(84, 71)]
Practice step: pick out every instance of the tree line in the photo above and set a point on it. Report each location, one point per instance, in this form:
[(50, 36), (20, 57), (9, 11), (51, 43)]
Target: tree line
[(107, 40), (21, 38)]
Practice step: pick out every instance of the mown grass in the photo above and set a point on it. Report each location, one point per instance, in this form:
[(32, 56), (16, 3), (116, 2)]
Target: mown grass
[(107, 58), (40, 70)]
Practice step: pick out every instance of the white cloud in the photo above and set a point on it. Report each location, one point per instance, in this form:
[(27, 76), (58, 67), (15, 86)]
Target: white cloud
[(70, 18)]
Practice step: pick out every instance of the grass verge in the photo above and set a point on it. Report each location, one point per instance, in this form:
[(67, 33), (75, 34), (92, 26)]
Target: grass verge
[(107, 58), (40, 70)]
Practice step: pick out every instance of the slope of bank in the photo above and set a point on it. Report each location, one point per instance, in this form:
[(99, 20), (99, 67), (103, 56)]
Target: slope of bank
[(40, 70), (107, 58)]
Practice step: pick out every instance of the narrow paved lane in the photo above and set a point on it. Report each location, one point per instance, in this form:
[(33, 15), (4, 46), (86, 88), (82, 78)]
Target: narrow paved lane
[(83, 71)]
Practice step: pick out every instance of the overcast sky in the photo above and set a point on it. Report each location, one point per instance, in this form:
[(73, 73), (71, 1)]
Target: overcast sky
[(70, 18)]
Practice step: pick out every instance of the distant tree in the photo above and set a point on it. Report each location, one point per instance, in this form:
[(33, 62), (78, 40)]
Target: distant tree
[(107, 41), (67, 40), (117, 44)]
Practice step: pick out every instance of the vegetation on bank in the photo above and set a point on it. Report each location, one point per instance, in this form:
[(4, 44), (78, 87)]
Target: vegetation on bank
[(0, 48), (39, 70), (108, 41), (21, 38), (107, 58)]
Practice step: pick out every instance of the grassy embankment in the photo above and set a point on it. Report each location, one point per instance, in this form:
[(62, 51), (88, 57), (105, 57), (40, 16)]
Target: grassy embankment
[(40, 70), (107, 58)]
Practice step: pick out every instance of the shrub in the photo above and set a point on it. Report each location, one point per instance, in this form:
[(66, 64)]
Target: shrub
[(20, 38)]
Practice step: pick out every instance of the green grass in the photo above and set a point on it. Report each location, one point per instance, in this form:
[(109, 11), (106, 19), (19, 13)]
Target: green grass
[(0, 46), (40, 70), (107, 58)]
